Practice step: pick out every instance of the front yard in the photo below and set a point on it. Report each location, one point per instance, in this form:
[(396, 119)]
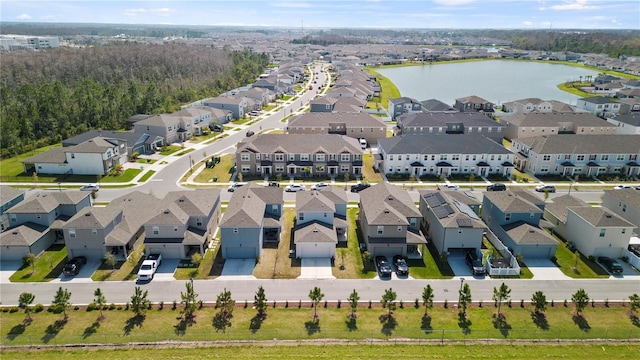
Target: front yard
[(274, 263)]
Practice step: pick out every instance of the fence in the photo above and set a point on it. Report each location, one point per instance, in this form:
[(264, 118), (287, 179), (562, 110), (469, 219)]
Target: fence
[(513, 269), (634, 260), (329, 335)]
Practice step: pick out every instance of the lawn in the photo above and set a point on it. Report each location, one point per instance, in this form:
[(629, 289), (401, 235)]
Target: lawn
[(47, 266), (12, 167), (170, 149), (289, 322), (206, 269), (362, 351), (147, 175), (222, 171), (430, 266), (582, 269), (185, 152), (125, 176), (368, 173), (124, 270), (275, 262), (353, 261), (387, 90)]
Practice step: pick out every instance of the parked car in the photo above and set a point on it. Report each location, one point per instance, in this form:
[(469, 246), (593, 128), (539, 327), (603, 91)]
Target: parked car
[(234, 186), (295, 188), (384, 269), (274, 184), (254, 113), (250, 133), (320, 186), (359, 187), (90, 187), (149, 267), (216, 127), (622, 187), (612, 265), (496, 187), (401, 265), (474, 263), (74, 265), (546, 188), (451, 187)]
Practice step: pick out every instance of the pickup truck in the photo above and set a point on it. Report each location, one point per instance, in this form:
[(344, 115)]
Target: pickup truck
[(149, 267)]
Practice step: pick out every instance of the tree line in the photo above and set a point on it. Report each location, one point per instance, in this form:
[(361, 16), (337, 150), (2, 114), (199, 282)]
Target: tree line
[(49, 96)]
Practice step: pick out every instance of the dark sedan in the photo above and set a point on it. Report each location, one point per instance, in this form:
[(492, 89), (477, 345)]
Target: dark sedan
[(610, 264), (74, 265), (384, 269)]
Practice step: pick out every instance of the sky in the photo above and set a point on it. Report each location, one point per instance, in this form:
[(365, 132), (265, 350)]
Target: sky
[(325, 14)]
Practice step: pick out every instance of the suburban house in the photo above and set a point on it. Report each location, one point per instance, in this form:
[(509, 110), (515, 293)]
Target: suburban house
[(348, 92), (253, 217), (183, 224), (627, 124), (599, 105), (594, 231), (534, 124), (199, 117), (96, 156), (116, 228), (237, 106), (449, 123), (357, 125), (623, 203), (437, 106), (140, 143), (336, 104), (169, 127), (299, 155), (629, 105), (528, 105), (34, 222), (9, 197), (473, 103), (403, 105), (321, 222), (450, 223), (515, 221), (570, 155), (433, 154), (390, 222)]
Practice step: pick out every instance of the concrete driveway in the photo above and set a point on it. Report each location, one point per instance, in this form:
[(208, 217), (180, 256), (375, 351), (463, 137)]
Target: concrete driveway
[(166, 270), (316, 269), (84, 276), (7, 268), (238, 269), (545, 269)]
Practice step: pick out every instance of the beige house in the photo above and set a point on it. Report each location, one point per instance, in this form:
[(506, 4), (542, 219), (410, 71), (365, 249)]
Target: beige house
[(539, 124), (353, 124)]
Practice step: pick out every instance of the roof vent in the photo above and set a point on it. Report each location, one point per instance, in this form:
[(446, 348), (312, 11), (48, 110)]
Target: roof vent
[(166, 211), (181, 200), (608, 216), (315, 230), (390, 198), (87, 214), (15, 233), (386, 211)]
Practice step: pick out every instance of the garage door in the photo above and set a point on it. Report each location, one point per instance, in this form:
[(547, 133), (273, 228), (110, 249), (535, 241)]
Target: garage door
[(315, 250), (90, 254), (167, 252), (240, 253), (13, 253)]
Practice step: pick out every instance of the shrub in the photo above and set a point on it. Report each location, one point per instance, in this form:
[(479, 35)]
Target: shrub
[(446, 303), (38, 308), (13, 309), (161, 305), (416, 303), (76, 308), (480, 303), (174, 305), (286, 304), (401, 304), (200, 304), (565, 303), (299, 304), (521, 303), (112, 306), (369, 304), (91, 306), (339, 303)]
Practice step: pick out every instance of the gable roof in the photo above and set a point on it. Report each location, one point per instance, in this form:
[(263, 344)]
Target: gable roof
[(598, 100), (577, 144), (509, 202), (46, 202), (8, 193), (440, 144), (160, 120), (442, 119), (314, 201), (435, 105), (628, 196), (536, 119), (387, 204), (315, 232), (350, 119), (248, 203), (299, 143), (523, 233), (25, 234)]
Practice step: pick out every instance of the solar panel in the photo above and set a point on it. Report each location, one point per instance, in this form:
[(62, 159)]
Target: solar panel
[(448, 208), (464, 222), (440, 212), (465, 209), (432, 201)]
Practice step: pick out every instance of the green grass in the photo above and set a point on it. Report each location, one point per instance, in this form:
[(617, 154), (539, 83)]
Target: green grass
[(387, 88), (147, 175), (184, 152), (361, 351), (124, 270), (295, 323), (354, 265), (48, 266), (126, 176), (222, 171), (583, 269), (204, 271), (170, 149), (430, 266), (12, 167), (367, 169), (145, 161)]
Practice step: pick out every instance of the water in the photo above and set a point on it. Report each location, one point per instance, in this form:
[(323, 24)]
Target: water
[(498, 81)]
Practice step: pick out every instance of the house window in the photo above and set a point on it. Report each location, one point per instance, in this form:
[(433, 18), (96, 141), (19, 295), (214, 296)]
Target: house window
[(244, 157), (300, 216), (344, 168), (604, 157), (72, 233), (546, 158), (37, 216), (325, 214), (390, 157), (199, 222), (279, 168), (94, 231), (459, 231), (345, 157), (319, 157), (278, 157), (304, 157), (275, 207), (156, 230), (257, 156), (624, 231), (602, 232), (507, 217), (580, 158), (235, 230), (412, 222), (619, 157), (292, 157), (380, 229)]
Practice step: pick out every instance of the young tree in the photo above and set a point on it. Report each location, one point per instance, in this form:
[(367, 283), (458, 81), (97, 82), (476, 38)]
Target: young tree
[(30, 260), (196, 259), (353, 303), (260, 302), (580, 299), (465, 299), (427, 298), (635, 302), (539, 301), (315, 295), (139, 301), (389, 300), (190, 301), (99, 300), (503, 293), (24, 301), (61, 300), (110, 261), (225, 303)]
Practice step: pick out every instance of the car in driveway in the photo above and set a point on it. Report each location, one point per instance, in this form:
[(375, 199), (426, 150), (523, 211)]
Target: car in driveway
[(359, 187), (320, 186), (384, 269), (74, 265), (295, 188), (90, 187), (545, 188), (234, 186), (610, 264), (401, 265), (496, 187), (474, 263)]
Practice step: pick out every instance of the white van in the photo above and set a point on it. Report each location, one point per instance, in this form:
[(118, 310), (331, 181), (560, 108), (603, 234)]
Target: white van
[(363, 143)]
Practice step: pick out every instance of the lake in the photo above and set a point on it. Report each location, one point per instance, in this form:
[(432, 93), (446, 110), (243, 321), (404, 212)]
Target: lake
[(498, 81)]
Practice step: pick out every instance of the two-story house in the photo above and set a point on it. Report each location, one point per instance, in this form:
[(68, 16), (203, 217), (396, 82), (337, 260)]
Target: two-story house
[(594, 231), (433, 154), (9, 197), (623, 203), (534, 124), (437, 106), (473, 103), (357, 125), (253, 217), (403, 105), (599, 105), (321, 222), (34, 222), (130, 142), (570, 155), (449, 123), (237, 106), (627, 124), (389, 221), (336, 104), (299, 155), (198, 117), (167, 126), (515, 221)]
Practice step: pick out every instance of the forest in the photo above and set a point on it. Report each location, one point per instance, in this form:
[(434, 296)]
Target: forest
[(56, 94)]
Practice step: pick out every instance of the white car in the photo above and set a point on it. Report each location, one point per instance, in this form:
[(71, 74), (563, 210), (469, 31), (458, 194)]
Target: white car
[(234, 186), (295, 188), (622, 187), (320, 186), (90, 187), (451, 187)]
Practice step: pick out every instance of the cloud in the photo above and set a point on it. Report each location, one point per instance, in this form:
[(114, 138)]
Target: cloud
[(574, 5), (527, 23), (286, 4), (453, 2), (162, 11), (134, 12), (23, 17)]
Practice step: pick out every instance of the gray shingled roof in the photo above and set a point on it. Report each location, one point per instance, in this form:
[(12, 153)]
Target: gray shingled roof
[(535, 119), (578, 144), (315, 232), (351, 119), (93, 218), (8, 193), (437, 106), (314, 201), (632, 118), (558, 207), (46, 202), (387, 204), (523, 233), (54, 156), (628, 196), (600, 217), (129, 136), (246, 207), (598, 100), (451, 197), (509, 202), (442, 119), (300, 143), (160, 120), (194, 203), (23, 235), (441, 144)]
